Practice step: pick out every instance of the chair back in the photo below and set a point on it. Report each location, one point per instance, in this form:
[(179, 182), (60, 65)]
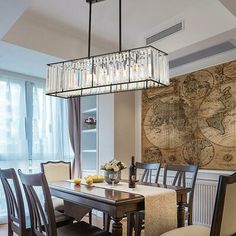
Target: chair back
[(56, 170), (180, 176), (14, 199), (42, 215), (148, 168), (223, 223)]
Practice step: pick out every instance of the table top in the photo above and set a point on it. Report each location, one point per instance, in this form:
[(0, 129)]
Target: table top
[(95, 193), (112, 196)]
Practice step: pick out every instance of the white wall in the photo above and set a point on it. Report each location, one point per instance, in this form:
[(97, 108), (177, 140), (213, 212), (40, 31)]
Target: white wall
[(124, 128), (106, 128)]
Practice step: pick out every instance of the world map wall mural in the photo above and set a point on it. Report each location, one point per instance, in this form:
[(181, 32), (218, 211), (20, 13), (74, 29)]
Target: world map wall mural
[(193, 120)]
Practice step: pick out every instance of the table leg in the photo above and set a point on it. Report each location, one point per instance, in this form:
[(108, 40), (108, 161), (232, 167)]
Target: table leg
[(181, 214), (130, 223), (106, 221), (117, 226)]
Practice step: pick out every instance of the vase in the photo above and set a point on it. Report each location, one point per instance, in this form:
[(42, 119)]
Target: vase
[(108, 180), (92, 126)]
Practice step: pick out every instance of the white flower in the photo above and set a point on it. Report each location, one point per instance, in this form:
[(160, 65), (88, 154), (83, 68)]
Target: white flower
[(114, 165)]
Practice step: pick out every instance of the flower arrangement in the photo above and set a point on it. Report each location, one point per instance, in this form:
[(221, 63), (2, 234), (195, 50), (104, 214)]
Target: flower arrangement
[(90, 121), (114, 165)]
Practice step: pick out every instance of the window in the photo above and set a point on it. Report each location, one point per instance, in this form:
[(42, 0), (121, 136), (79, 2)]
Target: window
[(33, 127)]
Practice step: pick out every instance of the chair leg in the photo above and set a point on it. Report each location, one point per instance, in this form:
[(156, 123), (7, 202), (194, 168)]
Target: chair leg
[(137, 225), (130, 223), (106, 222), (190, 218), (90, 217)]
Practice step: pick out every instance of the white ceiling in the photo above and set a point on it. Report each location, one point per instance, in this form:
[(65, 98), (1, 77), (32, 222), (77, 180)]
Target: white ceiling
[(59, 27), (137, 15), (10, 14)]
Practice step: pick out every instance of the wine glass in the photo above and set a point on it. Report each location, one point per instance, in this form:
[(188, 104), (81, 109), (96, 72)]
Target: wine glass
[(113, 176)]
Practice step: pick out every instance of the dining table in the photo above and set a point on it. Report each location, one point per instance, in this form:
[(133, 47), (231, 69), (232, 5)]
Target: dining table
[(116, 204)]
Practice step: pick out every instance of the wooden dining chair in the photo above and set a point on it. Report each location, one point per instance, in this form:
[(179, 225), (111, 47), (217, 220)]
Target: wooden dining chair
[(136, 220), (180, 175), (57, 171), (223, 222), (149, 169), (15, 205), (18, 222), (42, 218)]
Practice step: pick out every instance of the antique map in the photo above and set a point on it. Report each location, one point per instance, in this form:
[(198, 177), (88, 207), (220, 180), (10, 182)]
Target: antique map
[(193, 120)]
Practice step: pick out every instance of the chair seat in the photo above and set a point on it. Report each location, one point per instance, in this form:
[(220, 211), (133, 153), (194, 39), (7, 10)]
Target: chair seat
[(61, 220), (192, 230), (81, 228)]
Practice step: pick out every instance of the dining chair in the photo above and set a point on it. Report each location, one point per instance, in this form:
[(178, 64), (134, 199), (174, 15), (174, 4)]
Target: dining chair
[(223, 222), (57, 171), (43, 218), (18, 222), (147, 170), (180, 174), (15, 205)]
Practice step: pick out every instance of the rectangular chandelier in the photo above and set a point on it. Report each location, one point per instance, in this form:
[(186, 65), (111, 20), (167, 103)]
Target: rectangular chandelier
[(140, 68)]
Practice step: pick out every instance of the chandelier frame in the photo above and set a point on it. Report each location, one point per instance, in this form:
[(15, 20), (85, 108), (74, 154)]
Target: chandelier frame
[(57, 86)]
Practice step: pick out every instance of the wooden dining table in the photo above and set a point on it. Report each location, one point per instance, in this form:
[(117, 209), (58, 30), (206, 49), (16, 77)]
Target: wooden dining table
[(117, 204)]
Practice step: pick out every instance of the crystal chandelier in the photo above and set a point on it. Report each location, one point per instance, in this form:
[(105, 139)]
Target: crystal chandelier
[(133, 69)]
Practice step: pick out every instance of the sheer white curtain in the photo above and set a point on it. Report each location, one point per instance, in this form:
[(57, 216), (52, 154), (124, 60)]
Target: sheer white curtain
[(33, 128), (13, 148), (50, 139), (12, 113)]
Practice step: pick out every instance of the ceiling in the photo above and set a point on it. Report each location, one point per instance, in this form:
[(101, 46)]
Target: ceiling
[(59, 27), (137, 15)]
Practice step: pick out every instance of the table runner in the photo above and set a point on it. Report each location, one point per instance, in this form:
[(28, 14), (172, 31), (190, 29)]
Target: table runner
[(160, 206)]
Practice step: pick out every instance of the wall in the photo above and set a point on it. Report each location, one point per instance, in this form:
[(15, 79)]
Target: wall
[(124, 147), (193, 120), (106, 128)]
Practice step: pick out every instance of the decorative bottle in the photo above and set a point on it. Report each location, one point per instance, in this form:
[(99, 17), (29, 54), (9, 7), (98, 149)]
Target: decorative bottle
[(132, 174)]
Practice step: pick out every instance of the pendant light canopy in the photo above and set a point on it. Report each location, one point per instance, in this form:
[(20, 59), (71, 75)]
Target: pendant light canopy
[(126, 70)]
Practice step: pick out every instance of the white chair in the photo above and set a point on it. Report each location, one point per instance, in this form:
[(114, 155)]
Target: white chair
[(56, 171), (223, 223)]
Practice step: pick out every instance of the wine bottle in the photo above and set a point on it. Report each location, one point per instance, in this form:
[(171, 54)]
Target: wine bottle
[(132, 174)]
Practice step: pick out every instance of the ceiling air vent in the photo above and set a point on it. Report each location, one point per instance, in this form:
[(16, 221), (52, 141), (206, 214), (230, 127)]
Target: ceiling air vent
[(164, 33), (207, 52)]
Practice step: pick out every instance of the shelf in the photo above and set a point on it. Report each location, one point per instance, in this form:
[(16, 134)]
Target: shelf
[(89, 131), (90, 111), (90, 150)]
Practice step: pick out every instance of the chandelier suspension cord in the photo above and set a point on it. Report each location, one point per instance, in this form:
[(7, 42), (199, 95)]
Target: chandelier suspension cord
[(120, 24), (89, 32), (90, 22)]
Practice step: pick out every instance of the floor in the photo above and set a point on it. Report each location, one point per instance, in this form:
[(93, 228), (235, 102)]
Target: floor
[(96, 221), (3, 230)]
